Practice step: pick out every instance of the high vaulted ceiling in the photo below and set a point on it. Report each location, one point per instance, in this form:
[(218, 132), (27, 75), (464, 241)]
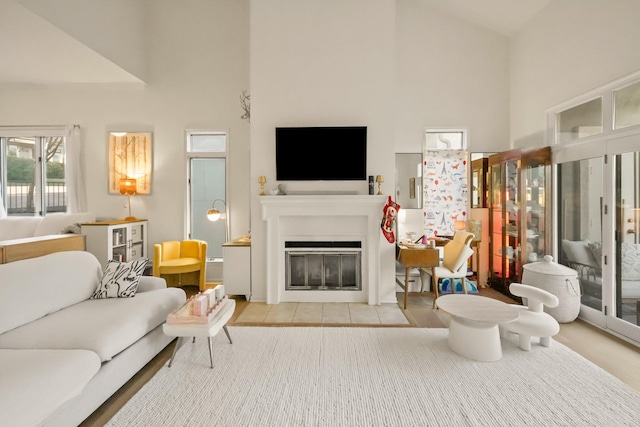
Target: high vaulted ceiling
[(35, 52)]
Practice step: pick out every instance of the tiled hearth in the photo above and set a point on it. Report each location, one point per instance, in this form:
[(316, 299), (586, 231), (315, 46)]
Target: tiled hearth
[(290, 313)]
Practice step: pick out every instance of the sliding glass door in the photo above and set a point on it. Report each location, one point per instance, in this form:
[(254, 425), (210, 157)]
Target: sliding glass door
[(580, 225), (625, 166), (599, 230)]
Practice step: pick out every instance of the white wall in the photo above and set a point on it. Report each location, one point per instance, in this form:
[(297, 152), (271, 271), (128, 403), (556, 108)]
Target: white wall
[(569, 48), (449, 73), (320, 64), (198, 65), (116, 28)]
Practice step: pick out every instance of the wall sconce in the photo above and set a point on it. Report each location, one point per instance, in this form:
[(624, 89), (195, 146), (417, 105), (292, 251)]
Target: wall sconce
[(262, 180), (130, 157), (379, 180), (128, 186)]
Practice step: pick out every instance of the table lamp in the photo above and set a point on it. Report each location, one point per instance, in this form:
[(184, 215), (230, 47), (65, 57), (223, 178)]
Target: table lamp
[(128, 186), (379, 180)]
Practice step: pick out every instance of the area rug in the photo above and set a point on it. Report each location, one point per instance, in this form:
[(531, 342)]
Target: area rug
[(332, 376)]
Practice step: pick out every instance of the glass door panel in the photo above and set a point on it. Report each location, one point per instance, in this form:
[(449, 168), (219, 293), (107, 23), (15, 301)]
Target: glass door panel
[(535, 240), (627, 237), (511, 218), (580, 195), (496, 220)]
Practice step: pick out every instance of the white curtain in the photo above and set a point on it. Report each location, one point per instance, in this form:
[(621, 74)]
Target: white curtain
[(76, 194)]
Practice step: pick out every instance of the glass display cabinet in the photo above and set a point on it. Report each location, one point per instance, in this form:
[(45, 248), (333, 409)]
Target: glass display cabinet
[(518, 213)]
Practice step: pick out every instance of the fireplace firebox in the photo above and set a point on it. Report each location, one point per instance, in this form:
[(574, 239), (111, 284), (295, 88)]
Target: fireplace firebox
[(323, 265)]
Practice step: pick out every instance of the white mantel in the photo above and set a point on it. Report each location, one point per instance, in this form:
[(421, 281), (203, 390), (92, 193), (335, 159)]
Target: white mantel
[(323, 217)]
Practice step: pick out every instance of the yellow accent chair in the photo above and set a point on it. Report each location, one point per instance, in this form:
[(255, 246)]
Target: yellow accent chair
[(181, 263)]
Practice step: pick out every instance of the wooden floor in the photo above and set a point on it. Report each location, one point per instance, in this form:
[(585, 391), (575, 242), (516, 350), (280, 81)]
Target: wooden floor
[(614, 355)]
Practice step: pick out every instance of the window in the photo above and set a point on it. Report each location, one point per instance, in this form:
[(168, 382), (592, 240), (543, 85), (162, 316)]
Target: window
[(580, 121), (626, 106), (32, 172), (446, 139), (207, 166)]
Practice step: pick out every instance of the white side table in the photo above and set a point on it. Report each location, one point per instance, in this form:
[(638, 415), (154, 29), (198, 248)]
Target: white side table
[(209, 330), (473, 330)]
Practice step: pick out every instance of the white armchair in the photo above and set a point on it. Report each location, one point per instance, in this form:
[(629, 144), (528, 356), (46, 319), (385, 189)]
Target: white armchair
[(454, 262), (533, 321)]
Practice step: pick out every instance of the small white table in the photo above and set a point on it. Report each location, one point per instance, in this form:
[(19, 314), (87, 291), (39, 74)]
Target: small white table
[(209, 330), (473, 329)]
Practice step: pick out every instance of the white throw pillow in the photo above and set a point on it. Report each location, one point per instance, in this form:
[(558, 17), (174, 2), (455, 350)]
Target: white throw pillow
[(120, 279)]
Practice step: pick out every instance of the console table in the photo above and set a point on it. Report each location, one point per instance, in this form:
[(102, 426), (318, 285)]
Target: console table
[(31, 247), (415, 258)]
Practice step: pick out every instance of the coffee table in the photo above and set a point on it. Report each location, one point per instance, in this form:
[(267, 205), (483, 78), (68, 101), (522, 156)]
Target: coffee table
[(209, 330), (473, 329)]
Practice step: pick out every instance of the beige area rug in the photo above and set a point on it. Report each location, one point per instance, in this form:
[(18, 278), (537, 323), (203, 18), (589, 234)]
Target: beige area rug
[(332, 376)]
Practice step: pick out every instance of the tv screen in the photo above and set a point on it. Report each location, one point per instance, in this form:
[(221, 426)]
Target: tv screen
[(321, 153)]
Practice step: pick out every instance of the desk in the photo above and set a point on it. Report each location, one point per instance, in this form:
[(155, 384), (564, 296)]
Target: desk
[(415, 258), (473, 329)]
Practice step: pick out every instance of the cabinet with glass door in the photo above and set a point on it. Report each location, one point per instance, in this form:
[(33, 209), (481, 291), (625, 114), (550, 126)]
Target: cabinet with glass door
[(535, 225), (519, 214)]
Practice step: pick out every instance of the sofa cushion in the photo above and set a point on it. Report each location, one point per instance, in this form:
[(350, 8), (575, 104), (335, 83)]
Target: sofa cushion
[(35, 287), (35, 383), (18, 227), (578, 251), (630, 261), (105, 326), (55, 223), (120, 279)]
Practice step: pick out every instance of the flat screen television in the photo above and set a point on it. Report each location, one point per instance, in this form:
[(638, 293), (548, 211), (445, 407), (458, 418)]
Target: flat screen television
[(321, 153)]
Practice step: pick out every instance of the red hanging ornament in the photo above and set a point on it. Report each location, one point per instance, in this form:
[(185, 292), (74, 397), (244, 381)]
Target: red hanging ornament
[(390, 213)]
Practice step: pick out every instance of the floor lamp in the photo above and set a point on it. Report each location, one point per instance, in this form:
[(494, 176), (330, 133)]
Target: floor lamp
[(214, 214)]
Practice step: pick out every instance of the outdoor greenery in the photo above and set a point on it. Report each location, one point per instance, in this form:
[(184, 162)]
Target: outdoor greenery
[(21, 170)]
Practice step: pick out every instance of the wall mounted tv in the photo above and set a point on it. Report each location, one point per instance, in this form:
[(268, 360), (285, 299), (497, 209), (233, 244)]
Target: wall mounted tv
[(321, 153)]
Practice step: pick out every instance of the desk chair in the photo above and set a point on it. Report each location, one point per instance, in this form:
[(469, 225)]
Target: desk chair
[(454, 262)]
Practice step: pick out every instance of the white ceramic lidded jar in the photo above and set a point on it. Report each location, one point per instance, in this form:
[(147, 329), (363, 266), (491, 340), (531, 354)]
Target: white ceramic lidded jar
[(559, 280)]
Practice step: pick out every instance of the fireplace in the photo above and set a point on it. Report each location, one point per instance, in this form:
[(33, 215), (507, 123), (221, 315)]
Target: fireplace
[(315, 233), (323, 265)]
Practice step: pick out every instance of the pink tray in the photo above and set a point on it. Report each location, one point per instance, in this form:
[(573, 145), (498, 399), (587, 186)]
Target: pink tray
[(182, 315)]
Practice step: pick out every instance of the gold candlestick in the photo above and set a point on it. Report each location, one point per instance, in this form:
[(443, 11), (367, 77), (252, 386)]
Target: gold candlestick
[(379, 180), (262, 180)]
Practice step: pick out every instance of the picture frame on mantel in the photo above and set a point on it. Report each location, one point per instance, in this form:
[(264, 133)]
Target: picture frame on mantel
[(130, 156)]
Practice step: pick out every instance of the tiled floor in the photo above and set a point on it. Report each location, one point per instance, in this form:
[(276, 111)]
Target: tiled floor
[(315, 313)]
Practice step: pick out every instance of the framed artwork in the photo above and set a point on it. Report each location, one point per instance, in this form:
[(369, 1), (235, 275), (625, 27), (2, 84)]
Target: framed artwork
[(130, 157)]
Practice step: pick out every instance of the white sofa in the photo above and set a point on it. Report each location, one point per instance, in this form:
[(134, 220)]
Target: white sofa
[(63, 354), (20, 227), (586, 258)]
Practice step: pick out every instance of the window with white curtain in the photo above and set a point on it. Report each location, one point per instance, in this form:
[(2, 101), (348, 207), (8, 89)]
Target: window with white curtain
[(33, 166)]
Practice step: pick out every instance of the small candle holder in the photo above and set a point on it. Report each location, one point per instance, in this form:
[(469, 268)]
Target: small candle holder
[(379, 180), (262, 180)]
